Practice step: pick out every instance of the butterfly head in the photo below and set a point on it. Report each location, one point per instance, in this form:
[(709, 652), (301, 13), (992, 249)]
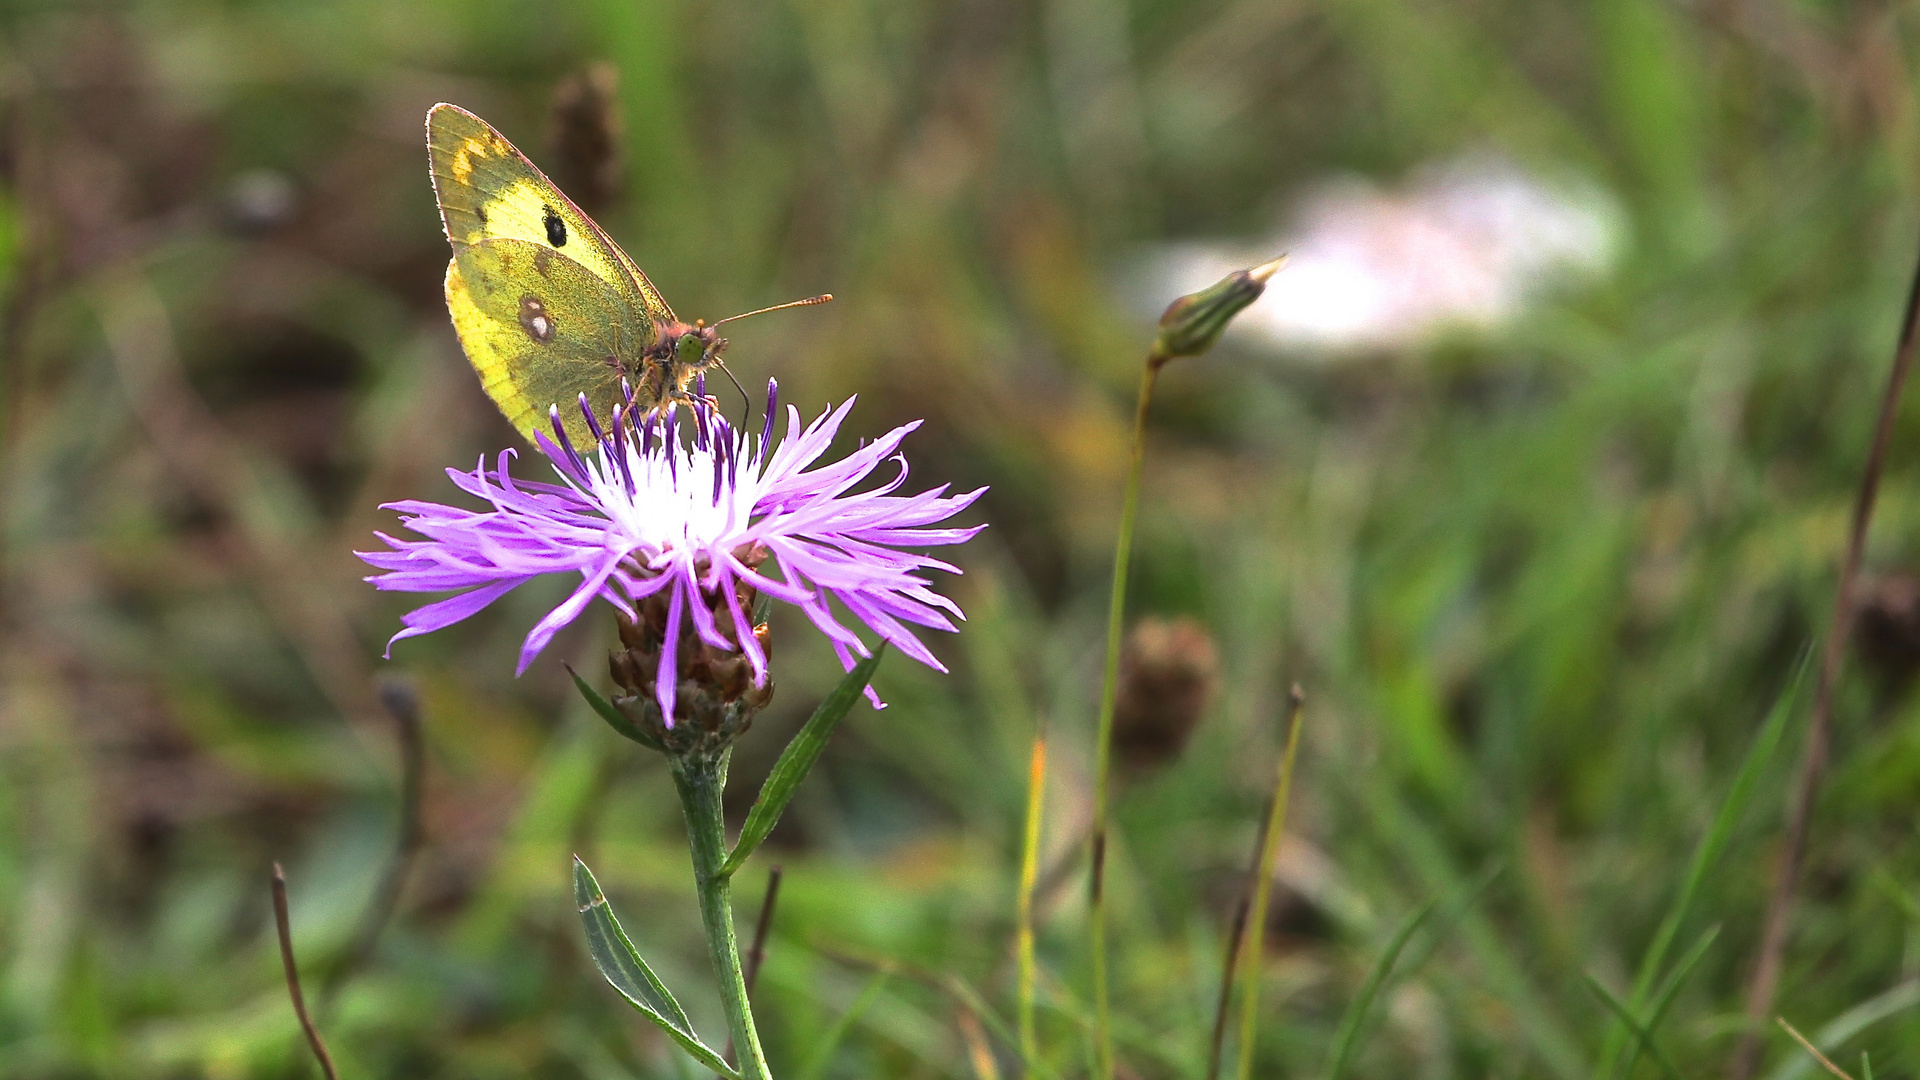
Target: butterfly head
[(682, 351)]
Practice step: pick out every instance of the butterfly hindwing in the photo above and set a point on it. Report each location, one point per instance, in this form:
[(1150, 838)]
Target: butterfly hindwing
[(541, 329)]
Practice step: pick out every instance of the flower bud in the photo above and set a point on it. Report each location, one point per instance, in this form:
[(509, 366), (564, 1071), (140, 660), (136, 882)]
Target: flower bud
[(1194, 322)]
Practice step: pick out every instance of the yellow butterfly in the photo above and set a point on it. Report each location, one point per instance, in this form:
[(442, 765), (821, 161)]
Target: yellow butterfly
[(546, 305)]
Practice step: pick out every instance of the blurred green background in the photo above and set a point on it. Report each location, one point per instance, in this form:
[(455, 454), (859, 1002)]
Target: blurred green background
[(1542, 578)]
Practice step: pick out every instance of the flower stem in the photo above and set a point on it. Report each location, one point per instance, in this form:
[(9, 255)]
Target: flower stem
[(699, 778), (1103, 740)]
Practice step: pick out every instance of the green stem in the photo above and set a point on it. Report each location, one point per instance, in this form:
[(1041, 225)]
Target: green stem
[(1263, 886), (1103, 745), (699, 778), (1029, 874)]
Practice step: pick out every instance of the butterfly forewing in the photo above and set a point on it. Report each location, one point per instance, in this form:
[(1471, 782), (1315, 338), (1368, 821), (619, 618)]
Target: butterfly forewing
[(489, 190)]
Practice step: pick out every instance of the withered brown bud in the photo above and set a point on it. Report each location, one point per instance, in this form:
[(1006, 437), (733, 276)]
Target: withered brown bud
[(585, 136), (1168, 670), (1888, 630)]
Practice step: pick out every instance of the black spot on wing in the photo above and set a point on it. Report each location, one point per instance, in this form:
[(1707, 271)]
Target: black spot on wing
[(556, 229)]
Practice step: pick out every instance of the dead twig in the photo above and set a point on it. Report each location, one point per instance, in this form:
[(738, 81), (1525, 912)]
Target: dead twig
[(280, 923), (758, 953), (1813, 761)]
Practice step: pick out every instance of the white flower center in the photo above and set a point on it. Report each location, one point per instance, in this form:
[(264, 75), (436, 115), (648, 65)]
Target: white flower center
[(673, 504)]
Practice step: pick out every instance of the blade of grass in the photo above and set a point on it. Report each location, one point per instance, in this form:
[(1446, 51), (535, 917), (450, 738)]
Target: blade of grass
[(1452, 913), (979, 1054), (1347, 1038), (1733, 807), (1639, 1031), (1671, 990), (1813, 758), (1029, 874), (1229, 964), (1263, 884), (1812, 1049), (822, 1053), (797, 759), (1837, 1031)]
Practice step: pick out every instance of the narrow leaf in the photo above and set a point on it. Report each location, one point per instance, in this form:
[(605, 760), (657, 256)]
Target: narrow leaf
[(797, 759), (617, 959), (1732, 808), (1639, 1031), (1663, 1000), (822, 1053), (615, 719), (1348, 1039)]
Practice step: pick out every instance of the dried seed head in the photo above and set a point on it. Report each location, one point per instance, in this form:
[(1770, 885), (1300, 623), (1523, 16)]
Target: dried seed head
[(1168, 670), (585, 136), (1889, 628)]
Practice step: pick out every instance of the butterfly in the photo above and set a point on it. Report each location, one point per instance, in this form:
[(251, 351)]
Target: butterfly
[(546, 305)]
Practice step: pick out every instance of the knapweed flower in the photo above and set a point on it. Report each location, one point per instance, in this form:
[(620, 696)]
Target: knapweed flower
[(677, 525)]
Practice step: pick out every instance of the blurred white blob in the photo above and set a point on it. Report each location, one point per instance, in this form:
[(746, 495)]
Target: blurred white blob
[(1464, 244)]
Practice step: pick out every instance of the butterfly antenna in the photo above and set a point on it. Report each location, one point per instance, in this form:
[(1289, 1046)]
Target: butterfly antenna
[(747, 416), (808, 302)]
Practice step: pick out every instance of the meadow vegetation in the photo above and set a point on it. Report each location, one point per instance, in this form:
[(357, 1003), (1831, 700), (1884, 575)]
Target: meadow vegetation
[(1549, 586)]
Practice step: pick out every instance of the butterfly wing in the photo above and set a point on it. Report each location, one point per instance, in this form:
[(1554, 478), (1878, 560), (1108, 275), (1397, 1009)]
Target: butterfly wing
[(489, 193), (488, 190), (540, 330)]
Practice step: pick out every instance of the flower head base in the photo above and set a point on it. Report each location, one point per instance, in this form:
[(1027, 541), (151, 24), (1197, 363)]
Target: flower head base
[(677, 525)]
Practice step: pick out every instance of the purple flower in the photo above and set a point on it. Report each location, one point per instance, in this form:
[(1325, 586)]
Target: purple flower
[(689, 517)]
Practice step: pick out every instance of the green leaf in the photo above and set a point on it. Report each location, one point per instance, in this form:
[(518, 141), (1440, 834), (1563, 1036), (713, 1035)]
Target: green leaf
[(615, 719), (1353, 1023), (617, 959), (798, 758), (1732, 808), (1639, 1030), (1348, 1039), (1663, 1000), (821, 1055)]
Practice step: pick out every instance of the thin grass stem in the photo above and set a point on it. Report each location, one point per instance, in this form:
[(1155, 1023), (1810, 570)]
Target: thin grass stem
[(1824, 1061), (283, 926), (1813, 761), (1029, 876), (1263, 885), (1228, 966)]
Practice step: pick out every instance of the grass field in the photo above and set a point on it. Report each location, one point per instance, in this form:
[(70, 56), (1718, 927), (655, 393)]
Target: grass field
[(1548, 572)]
